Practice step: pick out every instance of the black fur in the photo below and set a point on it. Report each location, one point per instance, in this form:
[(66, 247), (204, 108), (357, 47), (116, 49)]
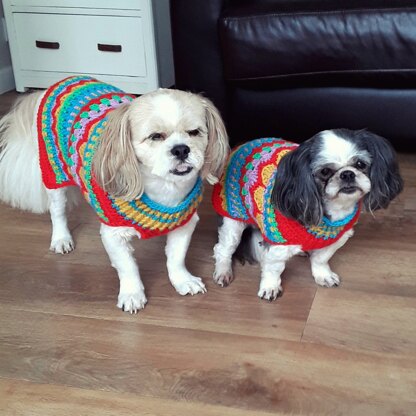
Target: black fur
[(386, 182), (295, 193)]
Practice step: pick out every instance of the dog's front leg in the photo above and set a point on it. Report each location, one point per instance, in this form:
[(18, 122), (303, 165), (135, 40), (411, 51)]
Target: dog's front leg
[(116, 241), (176, 248), (321, 271)]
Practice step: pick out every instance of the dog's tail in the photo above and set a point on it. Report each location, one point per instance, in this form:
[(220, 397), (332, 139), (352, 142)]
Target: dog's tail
[(251, 246), (21, 183)]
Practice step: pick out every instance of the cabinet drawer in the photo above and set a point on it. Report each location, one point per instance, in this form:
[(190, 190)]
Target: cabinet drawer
[(81, 43)]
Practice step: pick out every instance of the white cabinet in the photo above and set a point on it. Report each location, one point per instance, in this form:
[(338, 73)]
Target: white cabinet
[(123, 42)]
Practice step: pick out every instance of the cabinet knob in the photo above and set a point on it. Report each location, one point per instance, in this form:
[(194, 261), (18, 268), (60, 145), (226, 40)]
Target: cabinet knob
[(47, 45), (108, 48)]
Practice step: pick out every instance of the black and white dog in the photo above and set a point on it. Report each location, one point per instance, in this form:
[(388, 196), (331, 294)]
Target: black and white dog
[(321, 181)]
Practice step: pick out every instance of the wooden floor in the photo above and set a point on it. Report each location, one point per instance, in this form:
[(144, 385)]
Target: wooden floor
[(65, 349)]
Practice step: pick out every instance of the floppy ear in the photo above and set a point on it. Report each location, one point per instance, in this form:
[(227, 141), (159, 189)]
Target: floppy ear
[(218, 148), (386, 182), (115, 165), (295, 193)]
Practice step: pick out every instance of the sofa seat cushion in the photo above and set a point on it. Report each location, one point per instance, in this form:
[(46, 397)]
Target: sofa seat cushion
[(271, 42)]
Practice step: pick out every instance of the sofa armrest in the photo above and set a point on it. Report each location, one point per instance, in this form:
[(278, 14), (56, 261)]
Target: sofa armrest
[(196, 50)]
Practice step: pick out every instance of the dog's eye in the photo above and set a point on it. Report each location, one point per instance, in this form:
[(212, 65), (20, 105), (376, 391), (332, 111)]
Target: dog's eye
[(325, 172), (194, 132), (156, 136), (360, 165)]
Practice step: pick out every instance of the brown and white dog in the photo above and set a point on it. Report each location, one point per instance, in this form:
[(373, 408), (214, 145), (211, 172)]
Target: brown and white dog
[(159, 144)]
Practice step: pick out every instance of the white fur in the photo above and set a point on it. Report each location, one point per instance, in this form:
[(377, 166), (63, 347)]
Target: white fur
[(169, 108), (172, 113), (21, 183), (335, 149)]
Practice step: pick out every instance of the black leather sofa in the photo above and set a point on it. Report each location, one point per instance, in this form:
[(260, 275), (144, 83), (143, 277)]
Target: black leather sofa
[(290, 68)]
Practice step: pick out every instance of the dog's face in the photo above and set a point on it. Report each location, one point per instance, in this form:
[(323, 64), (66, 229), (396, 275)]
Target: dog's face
[(171, 134), (333, 171), (341, 169)]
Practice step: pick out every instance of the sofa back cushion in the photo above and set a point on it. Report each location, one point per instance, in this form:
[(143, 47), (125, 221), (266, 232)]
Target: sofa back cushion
[(265, 41)]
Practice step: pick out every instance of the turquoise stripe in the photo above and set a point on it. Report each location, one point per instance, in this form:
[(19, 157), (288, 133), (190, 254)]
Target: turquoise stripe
[(159, 210), (342, 222)]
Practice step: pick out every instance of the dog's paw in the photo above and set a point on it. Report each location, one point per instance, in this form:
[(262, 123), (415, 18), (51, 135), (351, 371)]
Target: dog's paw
[(62, 245), (327, 279), (223, 274), (270, 291), (223, 279), (189, 285), (131, 302)]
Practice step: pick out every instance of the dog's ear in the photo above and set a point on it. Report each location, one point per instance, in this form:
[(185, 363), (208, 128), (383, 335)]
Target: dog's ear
[(386, 182), (295, 193), (218, 148), (115, 165)]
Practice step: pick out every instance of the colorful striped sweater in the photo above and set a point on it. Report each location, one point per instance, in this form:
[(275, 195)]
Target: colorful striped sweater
[(244, 193), (71, 116)]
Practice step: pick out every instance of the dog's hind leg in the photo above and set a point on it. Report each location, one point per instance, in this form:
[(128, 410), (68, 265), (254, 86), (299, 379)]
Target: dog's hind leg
[(61, 241), (229, 236), (273, 262), (21, 183)]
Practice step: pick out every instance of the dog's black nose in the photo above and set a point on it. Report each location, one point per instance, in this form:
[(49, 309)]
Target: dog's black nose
[(347, 176), (180, 151)]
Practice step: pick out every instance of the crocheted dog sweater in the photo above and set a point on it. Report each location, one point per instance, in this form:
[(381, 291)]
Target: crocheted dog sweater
[(244, 191), (70, 118)]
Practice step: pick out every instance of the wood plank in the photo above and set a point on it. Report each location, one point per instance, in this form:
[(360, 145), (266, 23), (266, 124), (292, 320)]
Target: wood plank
[(21, 398), (362, 321), (240, 372)]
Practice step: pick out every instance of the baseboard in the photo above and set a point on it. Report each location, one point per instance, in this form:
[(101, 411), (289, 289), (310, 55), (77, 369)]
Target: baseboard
[(6, 79)]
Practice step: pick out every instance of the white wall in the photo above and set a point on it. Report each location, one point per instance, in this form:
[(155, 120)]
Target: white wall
[(6, 71)]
